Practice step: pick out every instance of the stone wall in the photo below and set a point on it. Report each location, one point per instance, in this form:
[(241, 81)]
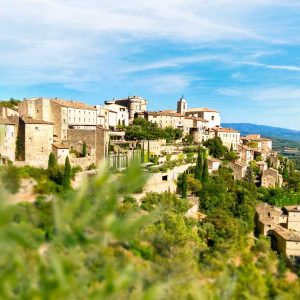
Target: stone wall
[(38, 143), (97, 141)]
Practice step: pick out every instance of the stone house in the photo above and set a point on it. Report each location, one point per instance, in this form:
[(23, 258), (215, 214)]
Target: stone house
[(229, 137), (37, 138), (122, 113), (213, 164), (106, 117), (134, 104), (271, 178), (239, 169), (210, 115), (282, 225), (246, 153), (293, 216), (63, 114), (8, 137), (61, 152)]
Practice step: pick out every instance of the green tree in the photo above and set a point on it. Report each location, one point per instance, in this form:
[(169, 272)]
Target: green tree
[(84, 150), (199, 165), (215, 147), (230, 156), (250, 176), (184, 186), (52, 162), (205, 173), (67, 174)]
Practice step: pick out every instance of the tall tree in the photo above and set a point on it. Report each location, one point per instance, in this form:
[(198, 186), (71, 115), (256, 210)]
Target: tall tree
[(52, 162), (199, 165), (84, 150), (67, 174), (250, 176), (184, 186), (205, 174)]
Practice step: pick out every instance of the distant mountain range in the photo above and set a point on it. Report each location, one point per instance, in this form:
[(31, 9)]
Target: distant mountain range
[(267, 131)]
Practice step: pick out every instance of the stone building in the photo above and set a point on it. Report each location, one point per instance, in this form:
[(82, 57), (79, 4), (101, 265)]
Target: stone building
[(36, 137), (8, 137), (213, 164), (263, 144), (134, 104), (182, 106), (271, 178), (246, 154), (97, 142), (293, 216), (282, 225), (63, 114), (122, 113), (229, 137), (106, 117), (8, 112), (210, 115), (61, 152), (239, 169)]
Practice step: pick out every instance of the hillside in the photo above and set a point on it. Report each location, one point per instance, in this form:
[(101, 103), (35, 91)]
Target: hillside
[(268, 131)]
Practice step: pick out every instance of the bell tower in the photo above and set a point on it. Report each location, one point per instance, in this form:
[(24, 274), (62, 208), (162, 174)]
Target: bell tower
[(182, 106)]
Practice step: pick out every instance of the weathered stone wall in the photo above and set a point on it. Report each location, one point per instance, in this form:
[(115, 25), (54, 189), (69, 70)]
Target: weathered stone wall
[(38, 143), (8, 134), (97, 141)]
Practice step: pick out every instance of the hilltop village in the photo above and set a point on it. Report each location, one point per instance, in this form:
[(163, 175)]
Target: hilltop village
[(40, 126), (165, 142)]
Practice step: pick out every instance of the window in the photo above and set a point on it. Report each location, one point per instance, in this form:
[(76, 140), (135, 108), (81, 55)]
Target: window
[(212, 117)]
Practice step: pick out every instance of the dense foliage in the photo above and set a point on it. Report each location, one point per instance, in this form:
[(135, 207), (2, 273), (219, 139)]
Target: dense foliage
[(88, 244), (11, 103), (145, 130)]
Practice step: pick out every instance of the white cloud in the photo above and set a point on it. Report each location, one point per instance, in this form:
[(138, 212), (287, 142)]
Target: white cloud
[(68, 41), (275, 67)]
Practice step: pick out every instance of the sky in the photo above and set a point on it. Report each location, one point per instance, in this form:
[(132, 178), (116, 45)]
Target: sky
[(240, 57)]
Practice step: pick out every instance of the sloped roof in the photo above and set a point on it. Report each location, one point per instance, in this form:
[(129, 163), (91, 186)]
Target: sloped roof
[(29, 120), (6, 121), (73, 104), (201, 109)]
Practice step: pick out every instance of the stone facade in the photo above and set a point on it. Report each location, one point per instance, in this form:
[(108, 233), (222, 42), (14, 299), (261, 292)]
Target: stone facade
[(210, 115), (282, 225), (8, 112), (122, 113), (229, 137), (134, 104), (271, 178), (37, 139), (97, 142), (8, 137), (239, 169), (63, 114), (60, 152)]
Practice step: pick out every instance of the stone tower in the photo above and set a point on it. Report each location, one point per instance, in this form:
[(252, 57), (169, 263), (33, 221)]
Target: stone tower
[(182, 106)]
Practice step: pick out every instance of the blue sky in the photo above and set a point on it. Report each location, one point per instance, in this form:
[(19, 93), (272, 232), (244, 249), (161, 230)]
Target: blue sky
[(242, 59)]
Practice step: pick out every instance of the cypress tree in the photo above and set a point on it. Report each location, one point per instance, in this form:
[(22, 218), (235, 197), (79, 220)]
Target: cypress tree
[(184, 186), (52, 162), (199, 165), (84, 150), (67, 174), (148, 152), (205, 173), (143, 153)]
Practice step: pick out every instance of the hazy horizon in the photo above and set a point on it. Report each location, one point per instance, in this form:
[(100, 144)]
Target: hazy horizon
[(240, 58)]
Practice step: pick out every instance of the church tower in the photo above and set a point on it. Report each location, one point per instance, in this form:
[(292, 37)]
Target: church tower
[(182, 106)]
